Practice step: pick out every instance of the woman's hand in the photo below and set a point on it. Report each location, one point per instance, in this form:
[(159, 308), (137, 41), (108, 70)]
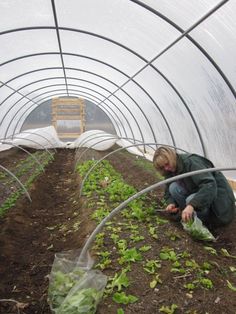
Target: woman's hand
[(171, 208), (187, 213)]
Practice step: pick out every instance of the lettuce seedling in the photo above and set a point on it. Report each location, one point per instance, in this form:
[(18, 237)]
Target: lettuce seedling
[(122, 298), (168, 309), (145, 248), (151, 266), (130, 255), (118, 281)]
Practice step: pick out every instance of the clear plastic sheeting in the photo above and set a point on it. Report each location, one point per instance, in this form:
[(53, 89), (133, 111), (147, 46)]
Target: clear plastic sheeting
[(162, 71)]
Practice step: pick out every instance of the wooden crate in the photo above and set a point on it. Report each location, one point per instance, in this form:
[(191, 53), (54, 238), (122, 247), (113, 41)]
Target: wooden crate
[(67, 109)]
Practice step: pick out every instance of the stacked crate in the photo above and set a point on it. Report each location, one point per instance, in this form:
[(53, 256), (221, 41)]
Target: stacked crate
[(68, 110)]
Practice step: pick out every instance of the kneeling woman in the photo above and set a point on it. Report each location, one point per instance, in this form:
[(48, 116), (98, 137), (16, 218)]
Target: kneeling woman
[(208, 194)]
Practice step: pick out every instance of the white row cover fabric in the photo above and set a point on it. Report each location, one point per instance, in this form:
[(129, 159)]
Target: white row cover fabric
[(163, 71), (40, 138), (47, 138), (96, 139)]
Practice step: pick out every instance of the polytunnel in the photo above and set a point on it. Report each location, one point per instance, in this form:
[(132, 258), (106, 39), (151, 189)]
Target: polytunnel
[(143, 74)]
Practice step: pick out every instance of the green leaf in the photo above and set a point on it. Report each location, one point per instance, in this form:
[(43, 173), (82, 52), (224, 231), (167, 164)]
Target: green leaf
[(232, 269), (151, 266), (190, 286), (168, 254), (230, 286), (206, 283), (164, 256), (210, 249), (224, 252), (122, 298), (168, 309), (130, 255), (119, 281), (153, 284), (155, 281), (145, 248)]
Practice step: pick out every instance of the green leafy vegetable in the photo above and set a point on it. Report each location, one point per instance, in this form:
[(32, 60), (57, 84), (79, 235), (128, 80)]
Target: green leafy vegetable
[(168, 309), (68, 294), (119, 281), (122, 298)]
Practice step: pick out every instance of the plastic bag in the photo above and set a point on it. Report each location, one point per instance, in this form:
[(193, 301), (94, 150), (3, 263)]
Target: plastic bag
[(197, 230), (74, 288)]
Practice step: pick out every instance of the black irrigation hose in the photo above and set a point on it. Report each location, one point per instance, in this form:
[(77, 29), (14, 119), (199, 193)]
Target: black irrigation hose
[(92, 237)]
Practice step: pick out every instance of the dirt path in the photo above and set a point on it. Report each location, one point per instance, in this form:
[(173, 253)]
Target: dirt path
[(32, 232)]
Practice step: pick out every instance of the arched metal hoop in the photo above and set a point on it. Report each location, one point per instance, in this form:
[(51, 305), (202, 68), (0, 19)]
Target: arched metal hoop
[(27, 139), (87, 139), (124, 91), (57, 93), (20, 183), (76, 95), (184, 33), (26, 151), (109, 137), (90, 89), (27, 132)]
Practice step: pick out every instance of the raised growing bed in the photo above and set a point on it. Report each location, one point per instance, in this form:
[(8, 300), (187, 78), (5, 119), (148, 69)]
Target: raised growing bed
[(18, 174)]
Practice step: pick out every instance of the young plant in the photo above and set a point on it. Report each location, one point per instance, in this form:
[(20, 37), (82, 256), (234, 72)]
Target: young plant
[(155, 281), (122, 298), (168, 254), (130, 255), (118, 282), (105, 260), (169, 309), (145, 248), (151, 266)]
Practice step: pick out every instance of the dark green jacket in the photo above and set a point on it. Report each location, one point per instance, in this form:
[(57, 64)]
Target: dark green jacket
[(212, 189)]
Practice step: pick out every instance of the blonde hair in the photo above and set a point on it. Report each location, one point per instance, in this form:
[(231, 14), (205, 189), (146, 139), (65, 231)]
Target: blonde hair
[(162, 156)]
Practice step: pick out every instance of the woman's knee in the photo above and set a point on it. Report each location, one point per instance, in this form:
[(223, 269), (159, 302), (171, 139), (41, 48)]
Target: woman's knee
[(176, 189), (173, 189)]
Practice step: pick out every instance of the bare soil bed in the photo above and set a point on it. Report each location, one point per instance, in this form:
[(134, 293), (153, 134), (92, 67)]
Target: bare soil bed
[(58, 220)]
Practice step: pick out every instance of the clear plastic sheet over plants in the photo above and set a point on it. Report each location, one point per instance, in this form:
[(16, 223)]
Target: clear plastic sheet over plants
[(74, 287), (197, 230)]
